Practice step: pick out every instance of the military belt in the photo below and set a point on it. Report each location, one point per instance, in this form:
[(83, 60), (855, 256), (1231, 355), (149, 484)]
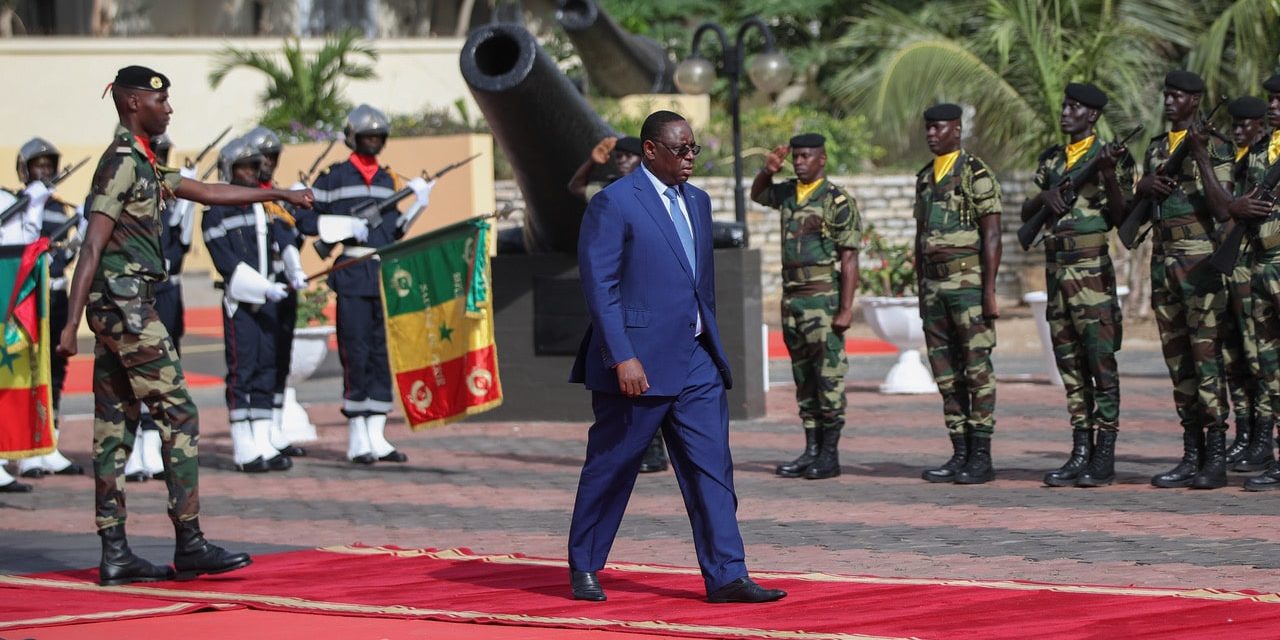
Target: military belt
[(807, 273), (1189, 231), (1269, 242), (939, 270), (1076, 243)]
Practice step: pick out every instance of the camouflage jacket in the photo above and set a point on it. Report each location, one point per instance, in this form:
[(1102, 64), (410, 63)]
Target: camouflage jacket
[(1249, 172), (1189, 199), (131, 190), (950, 209), (814, 231), (1087, 216)]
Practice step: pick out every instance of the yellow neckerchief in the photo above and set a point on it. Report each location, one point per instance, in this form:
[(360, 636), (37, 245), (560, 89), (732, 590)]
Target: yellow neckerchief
[(1175, 139), (942, 165), (1241, 152), (804, 190), (1273, 147), (1076, 150)]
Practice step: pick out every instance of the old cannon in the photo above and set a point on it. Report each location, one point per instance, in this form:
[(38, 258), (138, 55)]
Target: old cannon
[(617, 62)]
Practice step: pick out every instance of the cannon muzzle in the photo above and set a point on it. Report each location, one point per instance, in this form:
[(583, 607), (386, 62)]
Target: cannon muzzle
[(618, 62)]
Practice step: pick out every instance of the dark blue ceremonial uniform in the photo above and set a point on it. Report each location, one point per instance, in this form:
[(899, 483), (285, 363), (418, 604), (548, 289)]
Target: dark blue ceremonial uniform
[(56, 213), (169, 292)]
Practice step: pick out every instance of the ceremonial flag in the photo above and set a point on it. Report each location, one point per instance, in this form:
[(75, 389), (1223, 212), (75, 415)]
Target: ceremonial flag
[(26, 395), (439, 319)]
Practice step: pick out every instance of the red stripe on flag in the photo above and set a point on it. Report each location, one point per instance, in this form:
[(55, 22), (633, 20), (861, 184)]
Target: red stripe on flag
[(19, 408), (25, 311), (446, 390)]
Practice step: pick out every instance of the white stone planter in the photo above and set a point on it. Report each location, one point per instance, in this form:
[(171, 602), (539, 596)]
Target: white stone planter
[(1039, 301), (310, 346), (897, 320)]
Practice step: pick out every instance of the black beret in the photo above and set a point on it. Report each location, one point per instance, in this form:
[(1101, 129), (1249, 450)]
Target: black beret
[(137, 77), (1184, 81), (1272, 84), (1087, 95), (944, 111), (1247, 107), (808, 140), (631, 145)]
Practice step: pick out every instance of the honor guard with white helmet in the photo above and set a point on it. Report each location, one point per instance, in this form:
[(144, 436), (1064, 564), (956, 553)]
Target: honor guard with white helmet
[(37, 165), (266, 143), (245, 244), (362, 345)]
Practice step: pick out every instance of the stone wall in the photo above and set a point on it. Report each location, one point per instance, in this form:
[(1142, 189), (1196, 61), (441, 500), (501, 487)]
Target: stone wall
[(884, 200)]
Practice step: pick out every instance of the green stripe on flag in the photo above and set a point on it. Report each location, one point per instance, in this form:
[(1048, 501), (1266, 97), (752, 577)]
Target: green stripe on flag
[(428, 270)]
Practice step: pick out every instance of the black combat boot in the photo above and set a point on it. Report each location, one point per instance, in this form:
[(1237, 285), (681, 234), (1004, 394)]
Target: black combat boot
[(655, 457), (947, 472), (1101, 470), (1261, 448), (1081, 448), (796, 468), (1192, 452), (1268, 481), (195, 556), (119, 566), (827, 465), (1244, 434), (1213, 472), (979, 469)]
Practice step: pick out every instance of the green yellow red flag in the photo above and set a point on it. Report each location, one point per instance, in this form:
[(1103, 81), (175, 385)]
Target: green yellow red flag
[(439, 320), (26, 396)]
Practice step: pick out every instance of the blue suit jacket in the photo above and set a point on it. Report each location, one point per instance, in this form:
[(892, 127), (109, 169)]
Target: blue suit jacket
[(640, 290)]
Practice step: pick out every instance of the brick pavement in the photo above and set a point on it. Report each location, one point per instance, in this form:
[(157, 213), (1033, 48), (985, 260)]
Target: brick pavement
[(504, 487)]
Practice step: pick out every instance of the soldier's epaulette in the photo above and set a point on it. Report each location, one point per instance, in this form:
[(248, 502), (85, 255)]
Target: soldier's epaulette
[(978, 167), (1049, 153)]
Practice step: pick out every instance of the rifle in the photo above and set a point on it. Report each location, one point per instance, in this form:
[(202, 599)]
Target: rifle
[(305, 178), (1224, 258), (1044, 216), (450, 167), (24, 199), (1143, 209), (204, 152), (62, 230)]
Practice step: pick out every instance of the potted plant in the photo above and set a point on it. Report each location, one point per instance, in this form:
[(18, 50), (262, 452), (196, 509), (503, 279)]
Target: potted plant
[(892, 308), (310, 346)]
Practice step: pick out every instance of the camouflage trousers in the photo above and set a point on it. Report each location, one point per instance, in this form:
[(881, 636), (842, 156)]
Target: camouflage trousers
[(1085, 326), (1240, 354), (1190, 304), (1266, 322), (818, 361), (135, 362), (960, 341)]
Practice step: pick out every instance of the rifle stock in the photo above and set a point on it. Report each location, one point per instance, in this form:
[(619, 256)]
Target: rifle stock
[(371, 213)]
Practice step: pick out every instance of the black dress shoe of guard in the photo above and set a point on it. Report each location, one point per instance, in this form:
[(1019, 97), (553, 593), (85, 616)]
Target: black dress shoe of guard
[(72, 469), (293, 451), (35, 472), (15, 487), (136, 476), (364, 458), (394, 456), (257, 465), (745, 589), (280, 463), (586, 586)]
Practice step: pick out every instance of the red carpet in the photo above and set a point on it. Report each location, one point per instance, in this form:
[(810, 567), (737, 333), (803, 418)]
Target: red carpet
[(852, 346), (457, 586)]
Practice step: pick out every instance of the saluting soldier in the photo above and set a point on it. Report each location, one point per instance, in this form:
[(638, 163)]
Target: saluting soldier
[(1083, 310), (821, 232), (957, 211), (1187, 295), (38, 161), (121, 262), (340, 191)]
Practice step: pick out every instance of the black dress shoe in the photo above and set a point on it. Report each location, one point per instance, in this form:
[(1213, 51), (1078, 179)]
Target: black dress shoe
[(136, 476), (15, 487), (280, 463), (257, 465), (364, 458), (35, 472), (159, 475), (745, 589), (294, 451), (394, 456), (72, 469), (586, 586)]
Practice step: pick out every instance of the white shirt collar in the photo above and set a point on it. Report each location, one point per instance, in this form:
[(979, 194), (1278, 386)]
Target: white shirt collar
[(657, 184)]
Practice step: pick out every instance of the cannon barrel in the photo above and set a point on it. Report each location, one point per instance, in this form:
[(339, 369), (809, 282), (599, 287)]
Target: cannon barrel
[(545, 127), (618, 62)]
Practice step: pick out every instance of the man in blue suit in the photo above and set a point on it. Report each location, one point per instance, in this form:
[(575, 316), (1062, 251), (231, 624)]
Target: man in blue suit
[(652, 359)]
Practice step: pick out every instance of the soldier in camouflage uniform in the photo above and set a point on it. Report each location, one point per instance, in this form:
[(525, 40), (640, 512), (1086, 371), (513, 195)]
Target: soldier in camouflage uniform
[(821, 231), (134, 358), (957, 211), (1189, 298), (1083, 311)]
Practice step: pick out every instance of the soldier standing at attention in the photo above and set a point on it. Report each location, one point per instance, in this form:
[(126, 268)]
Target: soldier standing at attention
[(1187, 295), (38, 160), (1083, 312), (134, 359), (821, 232), (957, 211)]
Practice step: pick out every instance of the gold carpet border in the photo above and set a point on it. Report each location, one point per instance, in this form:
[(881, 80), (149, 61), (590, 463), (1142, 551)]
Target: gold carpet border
[(100, 616), (403, 611), (1008, 585)]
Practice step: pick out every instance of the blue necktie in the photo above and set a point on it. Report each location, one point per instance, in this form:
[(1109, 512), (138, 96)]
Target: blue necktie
[(682, 226)]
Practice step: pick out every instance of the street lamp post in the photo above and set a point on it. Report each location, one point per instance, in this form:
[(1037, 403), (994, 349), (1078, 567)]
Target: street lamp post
[(769, 72)]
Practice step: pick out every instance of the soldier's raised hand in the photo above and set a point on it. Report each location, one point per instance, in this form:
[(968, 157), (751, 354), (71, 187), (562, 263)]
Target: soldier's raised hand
[(775, 159), (600, 154)]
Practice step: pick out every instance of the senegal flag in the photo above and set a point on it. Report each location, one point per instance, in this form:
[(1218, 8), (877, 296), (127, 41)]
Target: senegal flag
[(26, 396), (435, 291)]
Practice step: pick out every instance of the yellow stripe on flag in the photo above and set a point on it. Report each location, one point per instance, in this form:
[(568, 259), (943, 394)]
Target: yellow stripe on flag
[(437, 334)]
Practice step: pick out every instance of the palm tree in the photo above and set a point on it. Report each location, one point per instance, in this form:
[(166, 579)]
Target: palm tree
[(1238, 49), (306, 90)]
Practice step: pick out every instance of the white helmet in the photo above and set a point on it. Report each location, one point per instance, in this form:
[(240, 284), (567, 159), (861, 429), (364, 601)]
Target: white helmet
[(365, 119)]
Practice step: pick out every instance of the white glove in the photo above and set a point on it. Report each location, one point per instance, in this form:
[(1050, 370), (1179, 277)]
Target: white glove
[(38, 192), (421, 190), (299, 186), (188, 172), (359, 229), (299, 280), (277, 292)]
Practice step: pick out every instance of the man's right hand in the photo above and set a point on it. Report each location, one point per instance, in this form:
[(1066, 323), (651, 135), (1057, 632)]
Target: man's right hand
[(600, 154), (67, 346), (1249, 207), (631, 380), (1155, 186), (775, 159), (1053, 199)]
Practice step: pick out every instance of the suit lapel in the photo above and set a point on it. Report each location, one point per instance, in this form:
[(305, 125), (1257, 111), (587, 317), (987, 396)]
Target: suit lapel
[(657, 210)]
